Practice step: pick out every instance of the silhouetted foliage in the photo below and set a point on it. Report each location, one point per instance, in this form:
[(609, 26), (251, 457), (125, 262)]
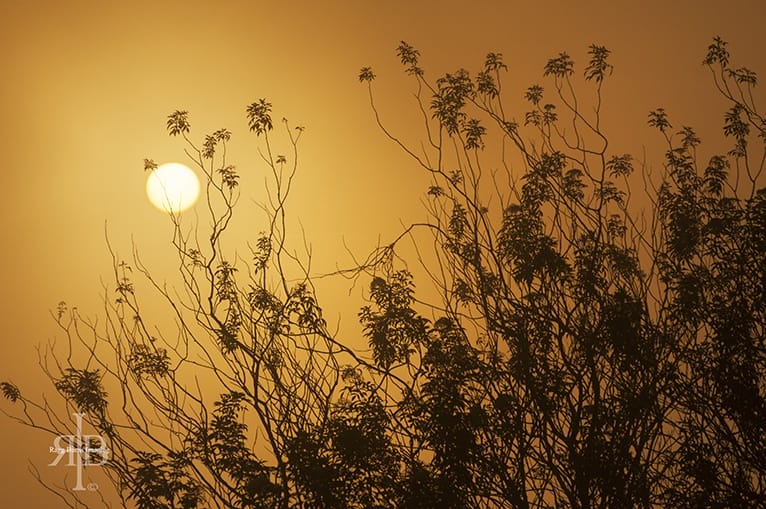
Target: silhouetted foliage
[(563, 348)]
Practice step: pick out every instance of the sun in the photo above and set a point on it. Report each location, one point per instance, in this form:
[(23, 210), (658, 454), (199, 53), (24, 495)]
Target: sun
[(172, 187)]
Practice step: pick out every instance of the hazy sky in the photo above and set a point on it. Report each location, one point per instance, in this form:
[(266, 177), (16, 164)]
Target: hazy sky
[(86, 88)]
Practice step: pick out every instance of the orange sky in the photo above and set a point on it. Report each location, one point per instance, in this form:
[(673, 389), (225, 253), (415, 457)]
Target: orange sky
[(86, 87)]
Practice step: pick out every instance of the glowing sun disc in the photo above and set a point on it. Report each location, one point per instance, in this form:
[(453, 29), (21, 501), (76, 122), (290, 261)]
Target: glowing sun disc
[(172, 187)]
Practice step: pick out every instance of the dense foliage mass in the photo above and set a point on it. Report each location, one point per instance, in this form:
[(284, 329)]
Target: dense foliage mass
[(587, 333)]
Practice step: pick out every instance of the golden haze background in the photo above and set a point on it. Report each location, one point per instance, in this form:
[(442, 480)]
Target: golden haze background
[(86, 88)]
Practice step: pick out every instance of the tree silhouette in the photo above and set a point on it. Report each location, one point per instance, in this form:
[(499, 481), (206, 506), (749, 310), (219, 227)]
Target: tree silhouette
[(567, 348)]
